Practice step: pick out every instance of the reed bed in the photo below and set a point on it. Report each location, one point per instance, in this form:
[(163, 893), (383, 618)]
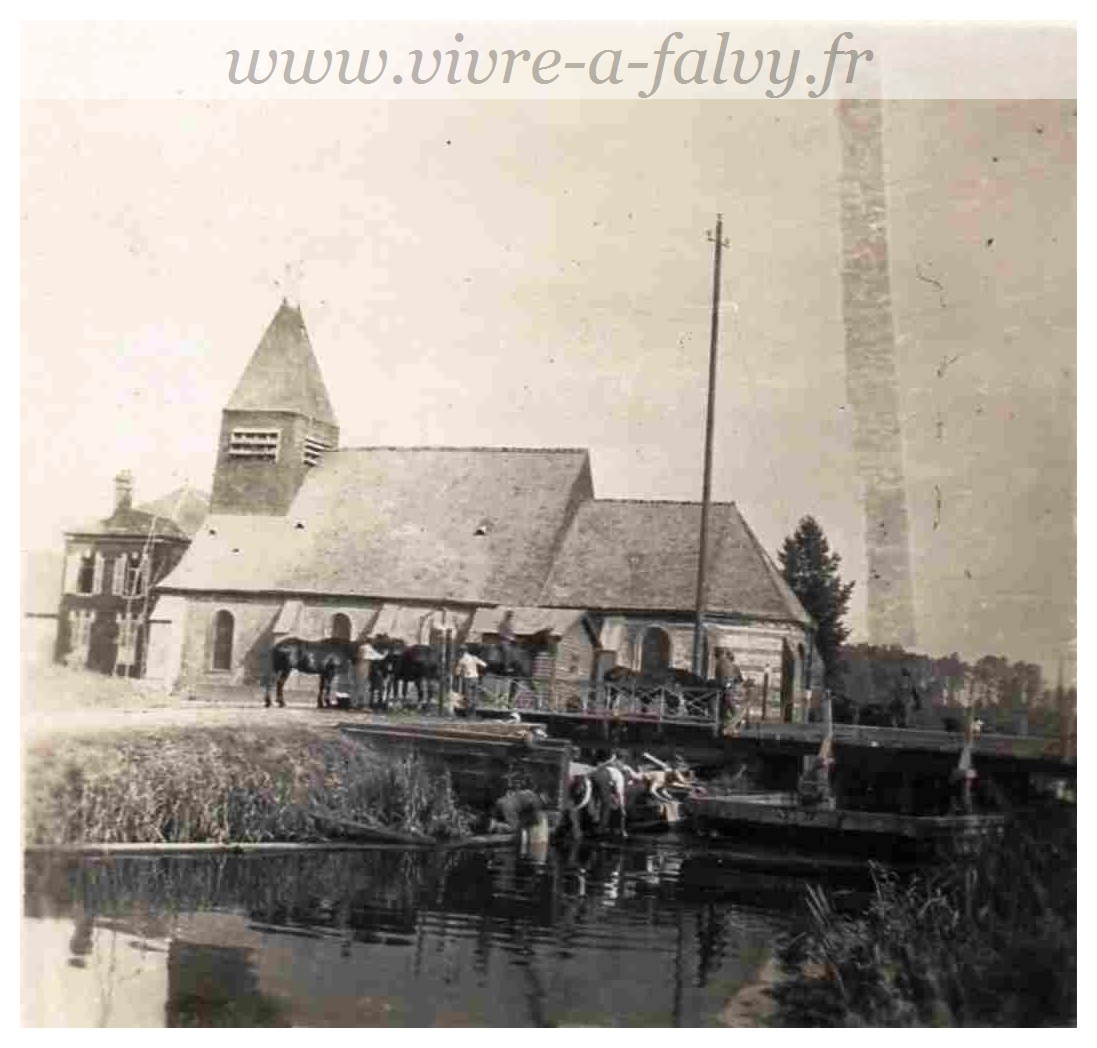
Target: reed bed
[(989, 943), (220, 784)]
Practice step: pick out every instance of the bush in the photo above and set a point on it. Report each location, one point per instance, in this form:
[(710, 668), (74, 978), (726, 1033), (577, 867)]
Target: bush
[(225, 785)]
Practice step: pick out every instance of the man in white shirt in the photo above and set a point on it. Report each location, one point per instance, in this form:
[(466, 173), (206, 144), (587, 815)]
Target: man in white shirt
[(468, 675)]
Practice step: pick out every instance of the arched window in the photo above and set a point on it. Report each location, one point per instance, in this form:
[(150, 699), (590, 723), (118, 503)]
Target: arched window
[(223, 627), (340, 626), (655, 652)]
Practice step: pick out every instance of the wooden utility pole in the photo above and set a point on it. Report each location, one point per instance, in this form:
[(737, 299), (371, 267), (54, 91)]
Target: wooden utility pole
[(706, 494)]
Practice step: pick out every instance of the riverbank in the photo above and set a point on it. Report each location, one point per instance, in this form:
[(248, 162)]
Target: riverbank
[(992, 942), (213, 783)]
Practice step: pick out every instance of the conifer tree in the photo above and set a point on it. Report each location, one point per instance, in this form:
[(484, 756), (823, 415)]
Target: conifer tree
[(811, 570)]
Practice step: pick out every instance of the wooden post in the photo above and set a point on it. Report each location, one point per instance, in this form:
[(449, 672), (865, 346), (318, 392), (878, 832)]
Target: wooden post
[(551, 700), (965, 766), (445, 682), (827, 750), (706, 492), (1064, 719)]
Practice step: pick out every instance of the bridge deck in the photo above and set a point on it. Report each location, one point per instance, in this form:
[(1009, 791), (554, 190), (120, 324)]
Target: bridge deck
[(808, 737)]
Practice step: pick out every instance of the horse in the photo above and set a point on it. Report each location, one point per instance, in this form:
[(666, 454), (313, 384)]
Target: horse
[(382, 671), (417, 664), (517, 658), (512, 659), (326, 658), (596, 794)]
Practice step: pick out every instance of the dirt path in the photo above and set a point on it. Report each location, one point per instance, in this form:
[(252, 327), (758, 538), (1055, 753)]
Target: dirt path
[(38, 725)]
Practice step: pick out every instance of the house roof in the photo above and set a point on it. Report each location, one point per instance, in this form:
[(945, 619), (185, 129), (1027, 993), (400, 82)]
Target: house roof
[(283, 374), (476, 525), (642, 556), (132, 522), (186, 506)]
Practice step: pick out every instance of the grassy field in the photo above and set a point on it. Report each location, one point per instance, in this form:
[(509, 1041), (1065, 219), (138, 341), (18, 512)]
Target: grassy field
[(264, 782)]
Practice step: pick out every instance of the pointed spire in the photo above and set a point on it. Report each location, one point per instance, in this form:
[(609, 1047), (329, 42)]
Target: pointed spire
[(283, 374)]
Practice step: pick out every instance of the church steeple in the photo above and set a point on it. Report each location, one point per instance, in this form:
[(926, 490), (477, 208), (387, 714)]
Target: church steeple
[(277, 423), (282, 374)]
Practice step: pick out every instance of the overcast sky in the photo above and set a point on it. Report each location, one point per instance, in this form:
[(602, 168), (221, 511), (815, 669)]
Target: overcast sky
[(537, 274)]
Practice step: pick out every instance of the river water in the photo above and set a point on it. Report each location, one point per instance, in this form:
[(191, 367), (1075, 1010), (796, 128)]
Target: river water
[(656, 933)]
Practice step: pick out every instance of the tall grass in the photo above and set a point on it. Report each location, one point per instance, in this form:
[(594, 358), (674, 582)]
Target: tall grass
[(991, 943), (226, 785)]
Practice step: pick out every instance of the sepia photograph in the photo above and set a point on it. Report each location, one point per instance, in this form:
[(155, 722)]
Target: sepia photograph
[(541, 561)]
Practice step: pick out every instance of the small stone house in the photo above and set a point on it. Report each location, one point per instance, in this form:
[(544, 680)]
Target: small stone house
[(110, 568)]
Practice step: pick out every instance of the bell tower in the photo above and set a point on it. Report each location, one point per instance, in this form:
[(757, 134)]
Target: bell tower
[(277, 424)]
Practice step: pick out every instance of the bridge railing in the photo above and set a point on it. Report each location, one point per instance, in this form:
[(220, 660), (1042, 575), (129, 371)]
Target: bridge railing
[(589, 698)]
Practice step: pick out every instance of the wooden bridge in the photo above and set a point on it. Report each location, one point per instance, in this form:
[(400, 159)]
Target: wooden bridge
[(686, 721)]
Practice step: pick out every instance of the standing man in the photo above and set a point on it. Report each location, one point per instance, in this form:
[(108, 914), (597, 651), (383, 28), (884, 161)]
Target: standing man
[(468, 676), (729, 678)]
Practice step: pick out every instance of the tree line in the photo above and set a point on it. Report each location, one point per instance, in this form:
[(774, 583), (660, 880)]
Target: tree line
[(1010, 696)]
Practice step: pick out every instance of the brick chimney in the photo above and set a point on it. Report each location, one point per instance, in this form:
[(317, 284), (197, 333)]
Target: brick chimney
[(123, 491)]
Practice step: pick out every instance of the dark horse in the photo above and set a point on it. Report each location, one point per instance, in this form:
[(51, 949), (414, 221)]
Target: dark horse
[(418, 664), (382, 671), (327, 658), (515, 659)]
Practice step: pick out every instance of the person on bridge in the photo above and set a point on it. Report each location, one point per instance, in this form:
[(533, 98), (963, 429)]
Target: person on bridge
[(729, 679), (468, 670)]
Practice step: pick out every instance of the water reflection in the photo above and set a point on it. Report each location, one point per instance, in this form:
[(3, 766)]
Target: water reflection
[(649, 934)]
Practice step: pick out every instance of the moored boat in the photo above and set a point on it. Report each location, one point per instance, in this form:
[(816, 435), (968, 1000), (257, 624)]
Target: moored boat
[(780, 816)]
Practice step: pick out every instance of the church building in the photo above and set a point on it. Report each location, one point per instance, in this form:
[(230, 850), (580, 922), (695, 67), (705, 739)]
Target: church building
[(311, 539)]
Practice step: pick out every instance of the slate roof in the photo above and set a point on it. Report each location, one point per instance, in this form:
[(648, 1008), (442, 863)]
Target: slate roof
[(283, 374), (131, 522), (630, 555), (186, 506), (476, 525)]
